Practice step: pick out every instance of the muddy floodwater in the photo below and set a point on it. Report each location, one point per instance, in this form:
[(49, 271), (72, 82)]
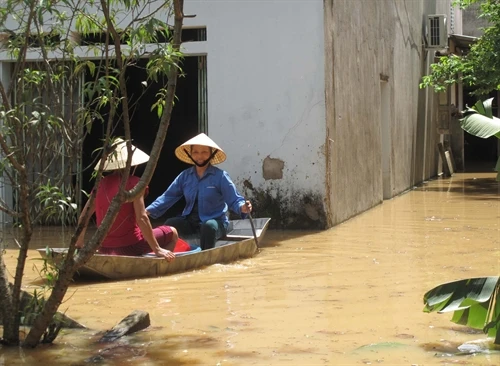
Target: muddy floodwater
[(351, 295)]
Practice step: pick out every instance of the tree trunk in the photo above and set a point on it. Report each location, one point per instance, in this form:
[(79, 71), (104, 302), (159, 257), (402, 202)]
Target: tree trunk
[(10, 331), (71, 264), (11, 325), (43, 320), (66, 273)]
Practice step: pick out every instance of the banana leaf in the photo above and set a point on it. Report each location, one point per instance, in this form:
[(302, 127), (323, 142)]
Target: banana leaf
[(478, 125), (485, 108), (475, 303), (479, 121)]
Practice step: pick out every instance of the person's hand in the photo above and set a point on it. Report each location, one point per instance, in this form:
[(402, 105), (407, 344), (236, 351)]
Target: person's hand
[(167, 254), (247, 207)]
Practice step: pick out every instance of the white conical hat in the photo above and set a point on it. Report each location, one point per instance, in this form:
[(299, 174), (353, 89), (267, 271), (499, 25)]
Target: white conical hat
[(202, 140), (118, 158)]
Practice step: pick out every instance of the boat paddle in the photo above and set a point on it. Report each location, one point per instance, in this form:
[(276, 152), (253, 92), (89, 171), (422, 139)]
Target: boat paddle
[(253, 228)]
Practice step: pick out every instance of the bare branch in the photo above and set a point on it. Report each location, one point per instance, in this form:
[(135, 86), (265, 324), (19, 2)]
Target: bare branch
[(9, 155), (8, 211), (169, 103), (21, 59)]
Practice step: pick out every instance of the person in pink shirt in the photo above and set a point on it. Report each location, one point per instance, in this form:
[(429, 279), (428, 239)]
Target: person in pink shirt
[(131, 233)]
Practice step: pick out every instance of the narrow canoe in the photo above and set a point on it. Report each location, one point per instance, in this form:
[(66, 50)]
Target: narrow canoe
[(238, 244)]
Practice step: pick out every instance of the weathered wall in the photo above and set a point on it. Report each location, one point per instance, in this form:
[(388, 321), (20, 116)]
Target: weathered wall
[(472, 24), (370, 46), (265, 62)]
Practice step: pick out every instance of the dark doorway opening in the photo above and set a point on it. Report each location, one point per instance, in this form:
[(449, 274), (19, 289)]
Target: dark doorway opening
[(480, 154), (144, 124)]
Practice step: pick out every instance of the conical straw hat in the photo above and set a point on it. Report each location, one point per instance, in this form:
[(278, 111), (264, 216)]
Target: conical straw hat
[(118, 158), (202, 140)]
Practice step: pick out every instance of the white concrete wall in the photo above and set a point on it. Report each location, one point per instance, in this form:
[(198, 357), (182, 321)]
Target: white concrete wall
[(266, 98)]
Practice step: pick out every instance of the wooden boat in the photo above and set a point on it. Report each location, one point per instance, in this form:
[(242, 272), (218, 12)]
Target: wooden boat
[(239, 243)]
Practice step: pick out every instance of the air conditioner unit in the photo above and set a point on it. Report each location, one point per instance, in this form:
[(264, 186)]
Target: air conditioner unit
[(437, 31)]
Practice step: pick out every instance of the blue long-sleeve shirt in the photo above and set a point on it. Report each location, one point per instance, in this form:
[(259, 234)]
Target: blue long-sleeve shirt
[(215, 191)]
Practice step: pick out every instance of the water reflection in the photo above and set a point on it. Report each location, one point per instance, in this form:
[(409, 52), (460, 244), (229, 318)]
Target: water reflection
[(348, 295)]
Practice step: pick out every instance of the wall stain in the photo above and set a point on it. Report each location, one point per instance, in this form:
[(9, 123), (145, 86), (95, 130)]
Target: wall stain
[(272, 168), (288, 209)]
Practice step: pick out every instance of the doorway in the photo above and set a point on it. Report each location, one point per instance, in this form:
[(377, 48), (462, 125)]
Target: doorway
[(184, 124), (480, 154)]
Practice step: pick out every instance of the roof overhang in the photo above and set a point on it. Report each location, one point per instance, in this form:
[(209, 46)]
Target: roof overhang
[(459, 40)]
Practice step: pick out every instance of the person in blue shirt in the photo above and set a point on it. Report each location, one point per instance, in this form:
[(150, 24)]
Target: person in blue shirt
[(208, 191)]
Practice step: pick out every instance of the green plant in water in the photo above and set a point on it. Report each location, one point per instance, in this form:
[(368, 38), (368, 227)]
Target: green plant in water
[(475, 303), (33, 304), (56, 206)]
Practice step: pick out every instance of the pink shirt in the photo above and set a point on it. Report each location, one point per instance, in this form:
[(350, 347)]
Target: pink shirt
[(124, 231)]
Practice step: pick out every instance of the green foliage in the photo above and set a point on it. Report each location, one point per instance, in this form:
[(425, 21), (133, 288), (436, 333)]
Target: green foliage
[(479, 121), (33, 304), (56, 206), (474, 302), (445, 73), (480, 67), (33, 307), (159, 105), (49, 272)]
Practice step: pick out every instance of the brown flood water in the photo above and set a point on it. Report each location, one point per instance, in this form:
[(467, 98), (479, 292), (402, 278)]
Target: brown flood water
[(350, 295)]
